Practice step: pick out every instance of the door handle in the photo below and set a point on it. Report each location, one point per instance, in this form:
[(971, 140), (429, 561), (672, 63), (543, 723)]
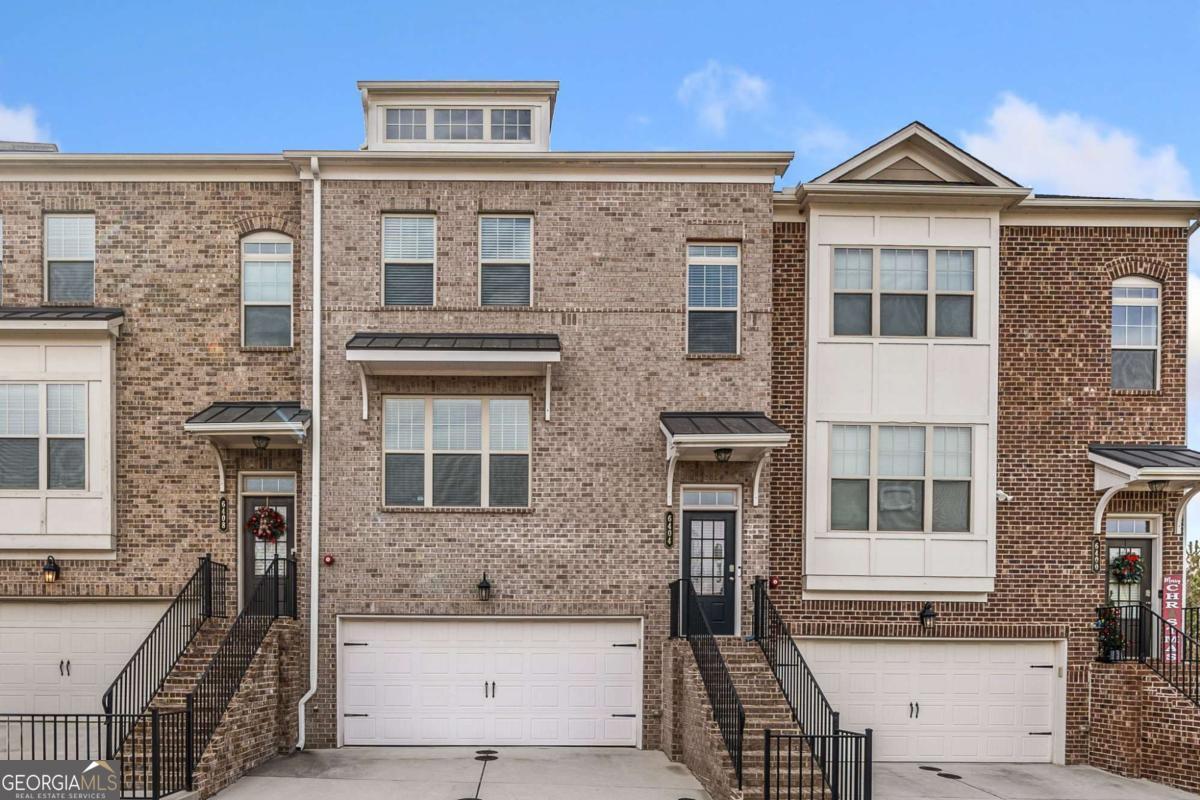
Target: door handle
[(918, 710), (68, 667), (493, 690), (60, 667), (485, 694), (910, 711)]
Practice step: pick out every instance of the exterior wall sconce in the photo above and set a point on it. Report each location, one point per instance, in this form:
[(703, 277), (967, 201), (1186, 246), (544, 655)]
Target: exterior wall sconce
[(484, 589), (260, 442), (50, 570), (927, 615), (1158, 486), (723, 454)]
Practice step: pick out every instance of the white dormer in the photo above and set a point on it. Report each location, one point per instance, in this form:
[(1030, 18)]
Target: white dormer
[(458, 115)]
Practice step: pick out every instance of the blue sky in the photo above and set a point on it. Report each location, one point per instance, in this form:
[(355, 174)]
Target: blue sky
[(1077, 97)]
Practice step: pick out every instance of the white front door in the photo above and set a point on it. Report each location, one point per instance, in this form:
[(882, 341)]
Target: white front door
[(59, 656), (454, 681), (942, 701)]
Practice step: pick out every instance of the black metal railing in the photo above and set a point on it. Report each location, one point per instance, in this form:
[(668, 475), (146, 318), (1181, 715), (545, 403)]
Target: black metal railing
[(266, 602), (153, 753), (843, 758), (203, 596), (799, 766), (1191, 622), (1146, 637), (688, 620)]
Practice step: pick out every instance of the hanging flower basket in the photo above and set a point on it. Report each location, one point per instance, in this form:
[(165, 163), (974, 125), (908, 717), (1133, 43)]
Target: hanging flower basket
[(266, 524), (1126, 568)]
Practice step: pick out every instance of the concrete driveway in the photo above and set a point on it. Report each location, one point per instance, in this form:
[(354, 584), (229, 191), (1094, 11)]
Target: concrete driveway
[(451, 773), (1012, 782)]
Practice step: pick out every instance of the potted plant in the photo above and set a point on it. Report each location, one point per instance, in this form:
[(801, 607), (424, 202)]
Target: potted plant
[(1108, 630)]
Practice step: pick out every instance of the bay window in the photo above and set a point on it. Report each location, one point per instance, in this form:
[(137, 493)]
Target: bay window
[(456, 451), (900, 478)]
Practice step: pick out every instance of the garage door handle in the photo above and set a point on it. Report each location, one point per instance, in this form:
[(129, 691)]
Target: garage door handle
[(68, 667), (60, 666), (1041, 733), (910, 710), (625, 644), (918, 710), (631, 716), (356, 715)]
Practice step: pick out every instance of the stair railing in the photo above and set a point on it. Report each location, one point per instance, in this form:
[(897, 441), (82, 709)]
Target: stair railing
[(202, 597), (1146, 637), (843, 758), (688, 620), (271, 598)]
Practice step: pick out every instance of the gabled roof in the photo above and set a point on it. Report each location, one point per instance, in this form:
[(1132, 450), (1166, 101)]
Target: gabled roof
[(916, 154)]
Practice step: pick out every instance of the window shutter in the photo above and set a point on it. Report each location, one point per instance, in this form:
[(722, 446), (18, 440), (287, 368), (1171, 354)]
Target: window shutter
[(508, 480), (404, 479), (408, 239), (408, 285), (712, 332), (504, 285), (456, 479), (70, 282)]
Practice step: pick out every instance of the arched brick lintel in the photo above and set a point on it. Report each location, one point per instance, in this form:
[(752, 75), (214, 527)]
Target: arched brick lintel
[(1126, 266), (265, 222)]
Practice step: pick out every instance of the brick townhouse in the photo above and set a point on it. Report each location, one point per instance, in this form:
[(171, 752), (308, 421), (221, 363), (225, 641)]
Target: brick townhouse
[(417, 439)]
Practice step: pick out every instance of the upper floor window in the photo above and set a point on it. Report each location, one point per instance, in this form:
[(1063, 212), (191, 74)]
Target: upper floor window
[(408, 260), (1, 259), (267, 290), (505, 261), (43, 436), (404, 123), (1135, 304), (451, 451), (458, 123), (887, 291), (914, 478), (512, 124), (470, 124), (71, 258), (713, 298)]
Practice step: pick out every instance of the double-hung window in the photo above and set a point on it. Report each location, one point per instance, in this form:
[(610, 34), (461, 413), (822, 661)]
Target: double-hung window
[(505, 261), (713, 298), (408, 260), (267, 290), (889, 291), (900, 478), (1135, 304), (456, 451), (43, 436), (70, 258)]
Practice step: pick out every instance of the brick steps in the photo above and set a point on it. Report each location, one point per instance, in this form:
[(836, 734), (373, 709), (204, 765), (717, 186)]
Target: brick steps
[(191, 665)]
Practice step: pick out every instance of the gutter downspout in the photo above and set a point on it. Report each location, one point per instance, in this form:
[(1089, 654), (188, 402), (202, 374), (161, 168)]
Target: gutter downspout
[(315, 433)]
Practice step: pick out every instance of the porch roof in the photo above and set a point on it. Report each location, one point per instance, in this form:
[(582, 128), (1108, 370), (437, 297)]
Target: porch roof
[(236, 424), (60, 318), (1143, 467), (454, 353), (698, 435)]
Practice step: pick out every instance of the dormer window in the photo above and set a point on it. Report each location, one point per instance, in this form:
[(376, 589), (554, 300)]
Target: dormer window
[(405, 124), (458, 124), (511, 124)]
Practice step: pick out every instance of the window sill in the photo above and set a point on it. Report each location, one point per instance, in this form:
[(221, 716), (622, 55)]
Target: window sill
[(456, 510), (265, 349), (714, 356)]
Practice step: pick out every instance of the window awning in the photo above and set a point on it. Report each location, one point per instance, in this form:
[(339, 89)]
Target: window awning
[(454, 354), (698, 435), (235, 425), (72, 319), (1143, 467)]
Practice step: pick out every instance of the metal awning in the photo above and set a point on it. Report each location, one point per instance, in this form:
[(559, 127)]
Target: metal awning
[(235, 426), (454, 354), (698, 435), (1143, 467), (77, 319)]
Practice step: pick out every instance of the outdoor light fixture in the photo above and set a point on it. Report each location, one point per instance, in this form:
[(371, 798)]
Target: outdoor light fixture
[(261, 442), (50, 570), (1157, 486), (927, 615), (723, 454), (484, 588)]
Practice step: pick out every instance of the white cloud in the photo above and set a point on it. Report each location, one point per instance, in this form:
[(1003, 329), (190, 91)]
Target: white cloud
[(21, 125), (715, 89), (820, 138), (1065, 153)]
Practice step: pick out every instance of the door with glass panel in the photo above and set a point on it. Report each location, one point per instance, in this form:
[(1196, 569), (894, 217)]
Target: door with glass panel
[(1130, 573), (709, 547), (269, 529)]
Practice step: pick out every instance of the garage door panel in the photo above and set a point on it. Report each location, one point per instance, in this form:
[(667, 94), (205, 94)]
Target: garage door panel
[(555, 682)]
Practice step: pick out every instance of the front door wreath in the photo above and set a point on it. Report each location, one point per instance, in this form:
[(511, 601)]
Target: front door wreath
[(1126, 568), (266, 524)]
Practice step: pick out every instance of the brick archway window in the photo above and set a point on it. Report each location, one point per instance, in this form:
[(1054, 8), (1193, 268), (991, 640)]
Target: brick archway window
[(1135, 332)]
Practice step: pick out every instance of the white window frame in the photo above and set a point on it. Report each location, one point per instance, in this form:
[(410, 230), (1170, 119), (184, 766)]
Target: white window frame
[(931, 293), (384, 261), (44, 436), (1139, 282), (46, 260), (487, 123), (928, 479), (482, 261), (485, 451), (687, 302), (243, 257)]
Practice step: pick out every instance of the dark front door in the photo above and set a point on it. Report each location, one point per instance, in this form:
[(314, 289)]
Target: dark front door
[(709, 545), (257, 553), (1126, 593)]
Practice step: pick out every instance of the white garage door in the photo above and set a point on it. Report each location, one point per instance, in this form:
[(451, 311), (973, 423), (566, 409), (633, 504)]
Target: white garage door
[(951, 701), (58, 656), (438, 681)]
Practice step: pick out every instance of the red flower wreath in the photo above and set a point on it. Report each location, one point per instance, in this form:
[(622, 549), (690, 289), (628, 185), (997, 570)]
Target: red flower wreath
[(266, 524)]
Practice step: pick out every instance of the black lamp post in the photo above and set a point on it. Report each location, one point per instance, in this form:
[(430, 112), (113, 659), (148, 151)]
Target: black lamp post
[(50, 570), (484, 589)]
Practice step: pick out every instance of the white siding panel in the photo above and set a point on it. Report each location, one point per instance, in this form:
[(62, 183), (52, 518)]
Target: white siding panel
[(961, 382), (82, 360), (845, 386), (960, 557), (840, 556), (839, 229), (904, 230), (21, 515), (903, 381), (895, 556), (963, 229)]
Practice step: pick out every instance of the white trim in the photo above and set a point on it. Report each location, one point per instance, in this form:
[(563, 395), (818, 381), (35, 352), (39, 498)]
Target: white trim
[(502, 261), (688, 308), (736, 508), (384, 262), (1139, 282), (267, 237), (423, 356), (47, 260)]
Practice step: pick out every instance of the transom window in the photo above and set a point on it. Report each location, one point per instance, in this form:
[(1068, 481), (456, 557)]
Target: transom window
[(43, 436), (505, 261), (404, 123), (713, 298), (900, 478), (700, 498), (1135, 339), (456, 451), (458, 124), (408, 260), (71, 258), (887, 291), (267, 290)]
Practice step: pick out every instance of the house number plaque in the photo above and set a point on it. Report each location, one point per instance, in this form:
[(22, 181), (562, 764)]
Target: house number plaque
[(669, 529), (223, 514)]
